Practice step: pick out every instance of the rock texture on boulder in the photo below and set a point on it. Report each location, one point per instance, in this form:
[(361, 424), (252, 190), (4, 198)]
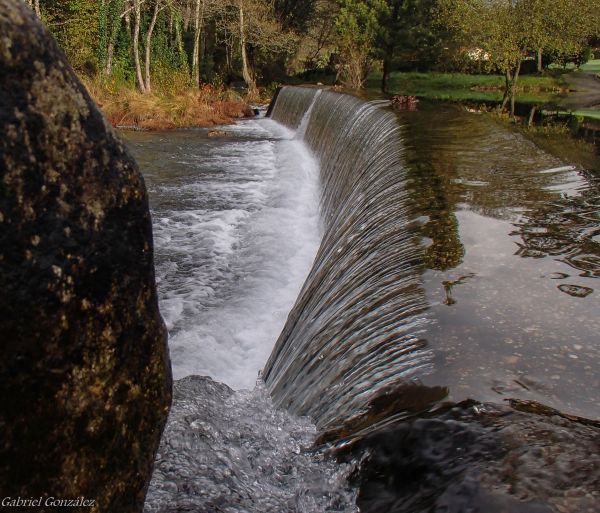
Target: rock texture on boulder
[(84, 368)]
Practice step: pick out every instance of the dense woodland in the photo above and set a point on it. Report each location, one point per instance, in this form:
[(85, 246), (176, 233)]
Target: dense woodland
[(255, 43)]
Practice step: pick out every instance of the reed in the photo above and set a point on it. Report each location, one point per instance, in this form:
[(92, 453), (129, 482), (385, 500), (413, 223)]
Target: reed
[(167, 109)]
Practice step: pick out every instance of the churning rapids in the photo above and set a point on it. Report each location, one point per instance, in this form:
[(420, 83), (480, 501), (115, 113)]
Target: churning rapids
[(418, 291)]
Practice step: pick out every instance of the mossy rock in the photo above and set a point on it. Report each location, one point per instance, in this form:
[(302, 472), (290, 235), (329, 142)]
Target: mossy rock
[(86, 383)]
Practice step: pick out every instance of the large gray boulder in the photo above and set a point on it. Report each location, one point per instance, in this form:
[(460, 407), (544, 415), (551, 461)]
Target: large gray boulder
[(84, 368)]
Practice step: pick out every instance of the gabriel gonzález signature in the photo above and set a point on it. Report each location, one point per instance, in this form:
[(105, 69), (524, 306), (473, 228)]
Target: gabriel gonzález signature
[(49, 502)]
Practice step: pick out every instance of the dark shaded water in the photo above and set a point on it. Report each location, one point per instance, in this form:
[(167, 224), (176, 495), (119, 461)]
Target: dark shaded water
[(457, 269)]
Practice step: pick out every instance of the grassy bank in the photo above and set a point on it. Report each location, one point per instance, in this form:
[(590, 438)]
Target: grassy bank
[(166, 109), (462, 86), (585, 113), (591, 66)]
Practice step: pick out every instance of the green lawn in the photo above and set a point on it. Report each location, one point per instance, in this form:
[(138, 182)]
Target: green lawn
[(461, 86), (587, 113), (591, 66)]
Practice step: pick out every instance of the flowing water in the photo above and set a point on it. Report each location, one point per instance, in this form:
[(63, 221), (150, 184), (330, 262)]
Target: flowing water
[(236, 227), (439, 271)]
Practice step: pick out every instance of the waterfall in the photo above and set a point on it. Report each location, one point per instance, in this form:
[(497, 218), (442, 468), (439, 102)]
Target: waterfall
[(354, 330), (352, 354)]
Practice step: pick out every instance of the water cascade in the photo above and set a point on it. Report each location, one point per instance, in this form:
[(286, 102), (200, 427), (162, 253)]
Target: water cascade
[(354, 330)]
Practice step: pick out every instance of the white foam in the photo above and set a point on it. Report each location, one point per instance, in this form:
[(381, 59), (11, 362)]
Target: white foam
[(236, 251)]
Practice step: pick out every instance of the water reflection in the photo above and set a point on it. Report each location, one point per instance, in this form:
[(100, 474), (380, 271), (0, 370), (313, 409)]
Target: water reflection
[(512, 237), (568, 228)]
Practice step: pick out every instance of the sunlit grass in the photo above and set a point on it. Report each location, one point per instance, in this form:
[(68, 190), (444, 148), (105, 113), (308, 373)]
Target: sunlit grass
[(587, 113), (592, 66), (462, 86)]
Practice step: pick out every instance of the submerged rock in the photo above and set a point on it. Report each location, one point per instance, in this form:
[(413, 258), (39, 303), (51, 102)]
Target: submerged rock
[(217, 133), (481, 458), (83, 358)]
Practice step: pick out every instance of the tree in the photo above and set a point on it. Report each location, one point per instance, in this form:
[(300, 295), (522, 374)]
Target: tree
[(74, 23), (137, 16), (507, 30), (357, 27), (142, 41), (295, 14), (35, 5), (318, 42), (406, 35), (248, 28), (109, 25), (158, 6), (198, 27)]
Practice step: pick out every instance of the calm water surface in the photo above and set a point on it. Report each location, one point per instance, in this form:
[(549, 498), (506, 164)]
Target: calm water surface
[(512, 262)]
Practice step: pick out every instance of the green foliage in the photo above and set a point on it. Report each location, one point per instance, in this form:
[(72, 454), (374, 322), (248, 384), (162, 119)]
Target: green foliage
[(506, 30), (97, 36), (357, 23), (408, 37), (357, 28), (109, 25), (295, 14), (123, 71), (352, 36), (74, 25)]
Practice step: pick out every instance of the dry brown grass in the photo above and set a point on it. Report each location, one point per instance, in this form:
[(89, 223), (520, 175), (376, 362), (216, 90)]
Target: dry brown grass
[(204, 107)]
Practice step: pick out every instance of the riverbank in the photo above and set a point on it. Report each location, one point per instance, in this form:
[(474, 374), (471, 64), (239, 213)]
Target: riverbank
[(208, 106), (583, 100), (462, 86)]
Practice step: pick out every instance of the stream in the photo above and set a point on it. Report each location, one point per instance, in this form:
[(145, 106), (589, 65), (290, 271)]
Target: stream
[(411, 293)]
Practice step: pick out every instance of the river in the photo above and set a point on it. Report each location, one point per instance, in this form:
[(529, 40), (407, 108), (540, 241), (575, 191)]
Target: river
[(461, 265)]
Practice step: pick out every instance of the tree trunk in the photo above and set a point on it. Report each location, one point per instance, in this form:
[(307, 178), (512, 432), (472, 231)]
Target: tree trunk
[(516, 74), (531, 116), (180, 45), (148, 48), (35, 6), (385, 80), (246, 72), (507, 88), (513, 89), (110, 52), (539, 60), (187, 17), (136, 45), (198, 22), (112, 38), (511, 82), (127, 16)]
